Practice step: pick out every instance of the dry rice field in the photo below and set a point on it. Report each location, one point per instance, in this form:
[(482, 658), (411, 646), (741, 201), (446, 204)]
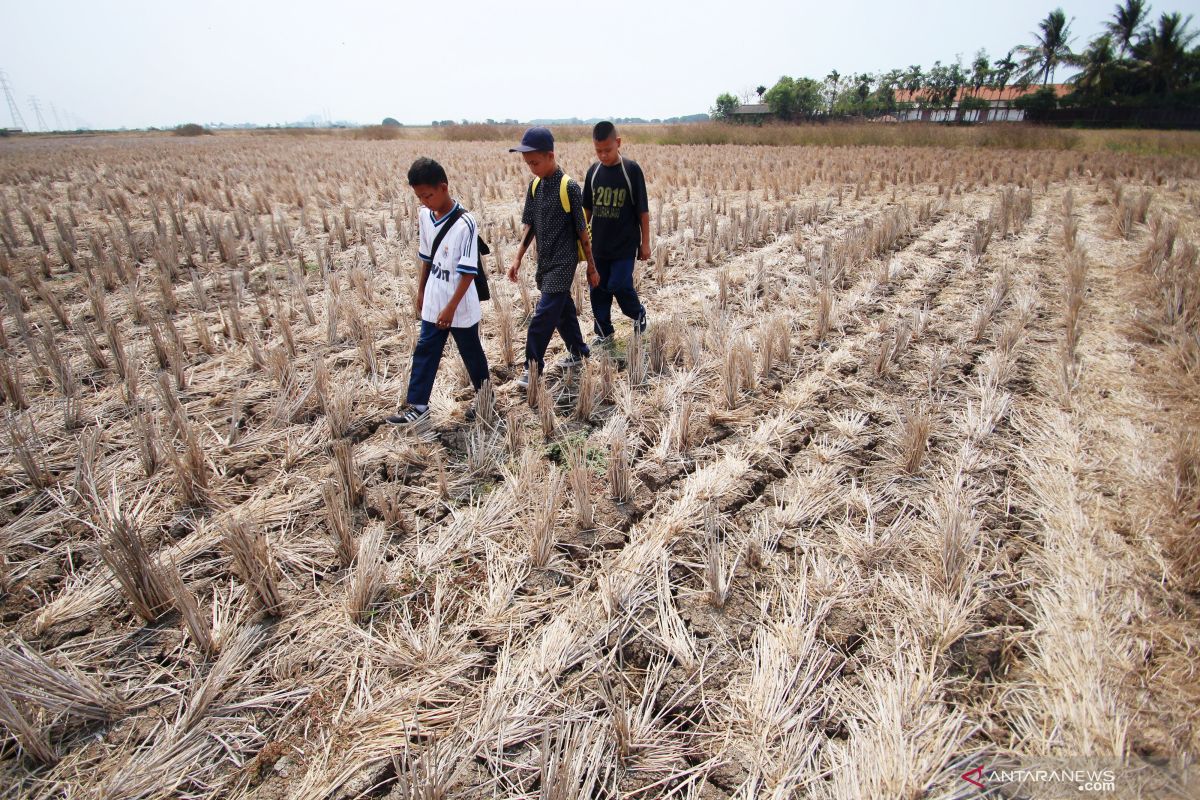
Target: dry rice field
[(903, 480)]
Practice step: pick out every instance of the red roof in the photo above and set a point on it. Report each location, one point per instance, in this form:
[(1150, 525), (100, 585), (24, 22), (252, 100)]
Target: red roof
[(987, 93)]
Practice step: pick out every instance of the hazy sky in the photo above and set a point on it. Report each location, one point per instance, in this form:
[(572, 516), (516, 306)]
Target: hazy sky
[(140, 62)]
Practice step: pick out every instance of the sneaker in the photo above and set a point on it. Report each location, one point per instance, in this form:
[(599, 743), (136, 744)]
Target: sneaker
[(601, 341), (641, 323), (569, 361), (523, 381), (471, 413), (410, 416)]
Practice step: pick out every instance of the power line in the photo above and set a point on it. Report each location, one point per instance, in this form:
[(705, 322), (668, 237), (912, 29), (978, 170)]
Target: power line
[(37, 111), (17, 120)]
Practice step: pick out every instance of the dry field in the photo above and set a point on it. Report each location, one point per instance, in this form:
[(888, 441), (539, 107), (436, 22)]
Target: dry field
[(903, 480)]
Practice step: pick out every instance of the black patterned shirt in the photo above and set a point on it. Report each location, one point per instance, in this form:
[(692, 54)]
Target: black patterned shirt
[(557, 232)]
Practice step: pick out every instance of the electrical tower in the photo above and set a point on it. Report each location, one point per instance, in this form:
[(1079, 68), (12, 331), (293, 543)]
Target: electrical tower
[(37, 111), (17, 120)]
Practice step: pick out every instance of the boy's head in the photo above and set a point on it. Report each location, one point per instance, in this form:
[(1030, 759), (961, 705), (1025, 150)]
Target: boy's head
[(608, 144), (430, 184), (537, 150)]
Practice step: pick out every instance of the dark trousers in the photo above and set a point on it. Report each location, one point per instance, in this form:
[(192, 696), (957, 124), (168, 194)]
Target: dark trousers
[(616, 280), (555, 312), (427, 355)]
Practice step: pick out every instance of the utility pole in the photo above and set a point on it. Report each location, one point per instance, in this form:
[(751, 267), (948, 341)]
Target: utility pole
[(37, 111), (57, 122), (17, 120)]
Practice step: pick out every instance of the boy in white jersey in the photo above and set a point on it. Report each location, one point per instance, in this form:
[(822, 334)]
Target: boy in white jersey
[(447, 299)]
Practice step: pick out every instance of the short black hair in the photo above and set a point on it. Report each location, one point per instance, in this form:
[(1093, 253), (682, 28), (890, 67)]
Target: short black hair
[(603, 131), (426, 172)]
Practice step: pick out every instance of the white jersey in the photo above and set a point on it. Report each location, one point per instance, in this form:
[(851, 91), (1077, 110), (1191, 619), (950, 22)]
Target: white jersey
[(457, 255)]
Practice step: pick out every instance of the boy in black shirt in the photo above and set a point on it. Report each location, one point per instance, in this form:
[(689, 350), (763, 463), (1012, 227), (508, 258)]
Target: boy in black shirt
[(615, 202), (554, 215)]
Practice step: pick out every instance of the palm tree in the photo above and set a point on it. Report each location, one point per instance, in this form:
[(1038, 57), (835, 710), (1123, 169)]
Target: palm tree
[(1098, 63), (1126, 24), (833, 80), (911, 80), (888, 83), (935, 82), (981, 71), (981, 75), (1004, 69), (1052, 47), (956, 79), (1163, 51), (914, 79), (862, 87)]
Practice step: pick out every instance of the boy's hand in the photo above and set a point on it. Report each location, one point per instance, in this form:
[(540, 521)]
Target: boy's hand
[(419, 302), (446, 317), (593, 276), (643, 251), (512, 271)]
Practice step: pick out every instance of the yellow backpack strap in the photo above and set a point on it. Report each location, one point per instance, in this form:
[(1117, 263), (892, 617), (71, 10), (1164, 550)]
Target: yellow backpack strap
[(565, 199), (562, 193)]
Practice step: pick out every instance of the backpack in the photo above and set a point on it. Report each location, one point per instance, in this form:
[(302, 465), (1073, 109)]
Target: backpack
[(591, 176), (565, 199), (481, 284)]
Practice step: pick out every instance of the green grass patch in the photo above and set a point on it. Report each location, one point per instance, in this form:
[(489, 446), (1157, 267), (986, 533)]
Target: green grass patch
[(595, 457)]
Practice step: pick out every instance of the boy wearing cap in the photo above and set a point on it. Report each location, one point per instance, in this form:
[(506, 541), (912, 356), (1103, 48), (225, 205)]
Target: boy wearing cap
[(616, 206), (561, 232)]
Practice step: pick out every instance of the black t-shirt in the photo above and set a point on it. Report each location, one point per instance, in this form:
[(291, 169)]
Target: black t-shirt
[(616, 217)]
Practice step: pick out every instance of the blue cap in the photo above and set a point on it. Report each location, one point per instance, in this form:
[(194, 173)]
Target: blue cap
[(535, 139)]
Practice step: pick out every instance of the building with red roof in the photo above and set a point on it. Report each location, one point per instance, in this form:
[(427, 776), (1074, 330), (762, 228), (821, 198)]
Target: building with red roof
[(999, 109)]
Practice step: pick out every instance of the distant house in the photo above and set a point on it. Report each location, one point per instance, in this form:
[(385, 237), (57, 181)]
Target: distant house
[(10, 131), (753, 112), (1000, 104)]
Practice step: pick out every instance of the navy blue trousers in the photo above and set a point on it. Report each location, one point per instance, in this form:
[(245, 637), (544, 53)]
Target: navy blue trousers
[(427, 355), (555, 312), (616, 280)]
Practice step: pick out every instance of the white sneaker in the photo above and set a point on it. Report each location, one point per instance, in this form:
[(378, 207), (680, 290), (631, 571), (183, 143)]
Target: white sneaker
[(523, 381)]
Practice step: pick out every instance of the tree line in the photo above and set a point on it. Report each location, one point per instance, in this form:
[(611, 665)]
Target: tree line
[(1135, 61)]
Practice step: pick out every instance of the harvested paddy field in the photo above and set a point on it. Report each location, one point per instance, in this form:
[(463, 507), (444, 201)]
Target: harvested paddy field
[(902, 481)]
